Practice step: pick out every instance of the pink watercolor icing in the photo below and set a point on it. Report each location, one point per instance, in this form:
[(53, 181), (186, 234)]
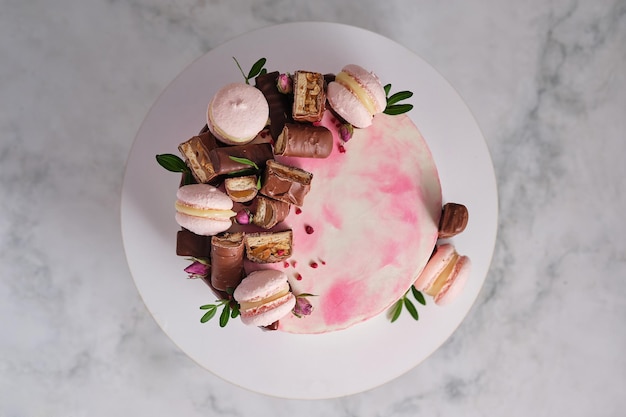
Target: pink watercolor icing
[(375, 210)]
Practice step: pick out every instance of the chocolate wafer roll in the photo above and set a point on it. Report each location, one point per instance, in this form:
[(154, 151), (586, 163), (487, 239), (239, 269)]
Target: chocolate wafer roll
[(227, 252), (269, 212), (286, 183), (305, 141), (258, 153), (279, 104)]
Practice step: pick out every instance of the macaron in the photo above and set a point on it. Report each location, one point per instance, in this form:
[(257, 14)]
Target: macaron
[(356, 95), (203, 209), (445, 274), (264, 297), (237, 113)]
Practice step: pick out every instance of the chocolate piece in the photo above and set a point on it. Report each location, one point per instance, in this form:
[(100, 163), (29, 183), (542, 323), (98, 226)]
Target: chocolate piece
[(271, 327), (305, 141), (279, 104), (269, 212), (309, 96), (227, 260), (268, 247), (191, 244), (241, 189), (454, 218), (286, 183), (222, 164), (204, 129), (196, 153)]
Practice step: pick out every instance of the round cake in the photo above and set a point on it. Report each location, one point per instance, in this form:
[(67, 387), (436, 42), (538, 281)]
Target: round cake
[(350, 215)]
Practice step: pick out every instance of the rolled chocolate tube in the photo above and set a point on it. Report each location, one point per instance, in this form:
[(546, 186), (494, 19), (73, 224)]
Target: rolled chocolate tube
[(196, 153), (191, 244), (222, 164), (269, 212), (305, 141), (227, 253), (279, 104), (286, 183)]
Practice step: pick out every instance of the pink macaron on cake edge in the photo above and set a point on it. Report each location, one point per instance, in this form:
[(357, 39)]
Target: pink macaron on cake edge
[(444, 275), (203, 209)]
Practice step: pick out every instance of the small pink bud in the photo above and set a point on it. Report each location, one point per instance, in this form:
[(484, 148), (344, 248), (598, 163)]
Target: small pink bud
[(284, 83), (346, 131), (197, 270), (243, 217), (303, 307)]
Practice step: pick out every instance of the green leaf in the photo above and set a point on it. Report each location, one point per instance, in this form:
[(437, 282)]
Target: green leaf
[(418, 295), (225, 315), (256, 68), (411, 308), (306, 294), (208, 306), (396, 310), (263, 71), (241, 70), (235, 312), (208, 315), (244, 161), (399, 96), (398, 109), (258, 183), (172, 162), (387, 89)]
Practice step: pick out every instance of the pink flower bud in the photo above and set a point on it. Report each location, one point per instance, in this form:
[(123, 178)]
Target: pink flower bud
[(243, 217), (345, 132), (284, 83), (197, 270), (303, 307)]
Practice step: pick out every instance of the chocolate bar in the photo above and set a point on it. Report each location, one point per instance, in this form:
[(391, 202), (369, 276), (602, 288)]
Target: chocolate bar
[(196, 153), (241, 189), (309, 96), (286, 183), (191, 244), (269, 212), (305, 141), (227, 253), (279, 104), (269, 247), (222, 164), (454, 219)]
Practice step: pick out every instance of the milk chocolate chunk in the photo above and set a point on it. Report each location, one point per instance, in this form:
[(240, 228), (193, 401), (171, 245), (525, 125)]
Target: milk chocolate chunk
[(454, 218), (305, 141), (279, 104), (309, 96), (269, 212), (241, 189), (269, 247), (223, 164), (191, 244), (286, 183), (227, 252), (196, 153)]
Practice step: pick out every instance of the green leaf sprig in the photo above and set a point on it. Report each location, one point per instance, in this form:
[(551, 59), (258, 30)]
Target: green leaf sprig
[(396, 309), (257, 69), (393, 108), (230, 310), (255, 169), (174, 163)]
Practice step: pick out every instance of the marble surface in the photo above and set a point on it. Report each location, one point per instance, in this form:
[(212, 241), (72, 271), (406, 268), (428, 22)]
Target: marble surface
[(546, 81)]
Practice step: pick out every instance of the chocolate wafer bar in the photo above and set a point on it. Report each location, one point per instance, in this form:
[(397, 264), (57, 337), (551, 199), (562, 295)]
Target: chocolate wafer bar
[(196, 153), (286, 183), (257, 153), (309, 96), (305, 141)]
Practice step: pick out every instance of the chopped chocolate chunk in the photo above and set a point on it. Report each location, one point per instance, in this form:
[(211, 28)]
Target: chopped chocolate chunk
[(305, 141), (454, 218), (309, 96), (286, 183), (269, 247), (196, 153), (191, 244)]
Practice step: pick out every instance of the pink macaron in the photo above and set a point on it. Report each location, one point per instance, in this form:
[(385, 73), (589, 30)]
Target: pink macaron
[(445, 274), (203, 209), (264, 297), (237, 113), (356, 95)]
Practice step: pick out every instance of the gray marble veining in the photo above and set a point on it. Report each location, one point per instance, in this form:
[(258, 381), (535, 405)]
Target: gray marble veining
[(546, 82)]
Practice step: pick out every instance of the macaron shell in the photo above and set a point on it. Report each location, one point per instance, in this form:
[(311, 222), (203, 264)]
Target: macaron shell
[(259, 285), (270, 312), (201, 225), (455, 282), (370, 82), (237, 113), (204, 196), (437, 263), (347, 105)]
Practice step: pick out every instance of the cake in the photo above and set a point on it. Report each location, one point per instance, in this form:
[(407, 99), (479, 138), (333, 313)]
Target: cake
[(350, 215)]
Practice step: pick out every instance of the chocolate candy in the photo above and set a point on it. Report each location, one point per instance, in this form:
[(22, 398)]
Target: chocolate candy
[(279, 104), (191, 244), (305, 141), (257, 153), (454, 218), (309, 96), (196, 153), (227, 253), (286, 183), (241, 189), (269, 247), (269, 212)]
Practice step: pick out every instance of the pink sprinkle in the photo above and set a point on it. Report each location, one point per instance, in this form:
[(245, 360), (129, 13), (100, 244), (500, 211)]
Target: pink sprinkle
[(298, 210), (342, 149), (280, 252), (286, 264), (293, 263), (308, 229), (322, 262), (298, 277), (313, 264)]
